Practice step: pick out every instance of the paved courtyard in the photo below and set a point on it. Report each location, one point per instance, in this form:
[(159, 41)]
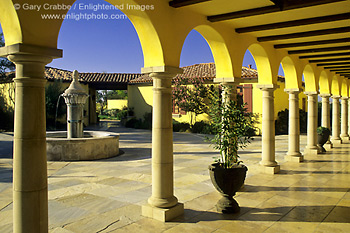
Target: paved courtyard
[(107, 195)]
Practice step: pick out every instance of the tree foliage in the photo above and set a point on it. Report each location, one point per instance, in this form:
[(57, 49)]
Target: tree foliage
[(117, 94), (190, 94), (101, 100), (5, 64), (54, 107), (231, 123)]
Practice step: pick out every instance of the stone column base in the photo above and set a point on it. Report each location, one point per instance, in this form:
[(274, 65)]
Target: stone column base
[(336, 141), (311, 151), (163, 214), (296, 159), (344, 138), (270, 170), (328, 145)]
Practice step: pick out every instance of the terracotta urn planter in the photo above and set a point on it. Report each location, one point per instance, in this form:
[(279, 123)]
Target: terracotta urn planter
[(227, 181)]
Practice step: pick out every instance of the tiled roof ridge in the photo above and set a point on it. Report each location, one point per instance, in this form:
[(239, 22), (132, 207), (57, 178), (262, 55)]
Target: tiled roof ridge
[(60, 69), (53, 73), (205, 71)]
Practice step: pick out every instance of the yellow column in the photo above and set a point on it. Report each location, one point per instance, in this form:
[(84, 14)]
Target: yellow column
[(344, 119), (311, 147), (30, 210), (326, 119), (293, 153), (268, 162), (335, 139), (162, 205)]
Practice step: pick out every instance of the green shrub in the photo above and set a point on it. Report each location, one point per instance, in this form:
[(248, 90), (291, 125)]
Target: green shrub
[(323, 130), (54, 108), (282, 122), (131, 123), (146, 123), (250, 132), (6, 116), (114, 114), (202, 127), (303, 121), (180, 126)]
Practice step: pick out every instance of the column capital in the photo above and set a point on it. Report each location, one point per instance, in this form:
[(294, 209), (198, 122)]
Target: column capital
[(293, 90), (267, 87), (155, 71), (228, 80), (27, 49), (344, 97), (311, 93), (325, 95), (336, 96)]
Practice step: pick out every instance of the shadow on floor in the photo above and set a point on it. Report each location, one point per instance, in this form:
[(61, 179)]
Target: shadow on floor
[(252, 188), (331, 214), (5, 175)]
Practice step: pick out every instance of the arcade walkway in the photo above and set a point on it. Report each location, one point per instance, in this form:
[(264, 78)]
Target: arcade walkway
[(106, 195)]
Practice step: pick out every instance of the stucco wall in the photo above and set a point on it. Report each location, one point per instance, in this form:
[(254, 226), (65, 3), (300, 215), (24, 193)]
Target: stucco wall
[(117, 104), (281, 100), (140, 98)]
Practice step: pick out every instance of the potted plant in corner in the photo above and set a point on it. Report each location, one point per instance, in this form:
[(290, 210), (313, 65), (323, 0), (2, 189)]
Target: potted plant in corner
[(323, 134), (231, 122)]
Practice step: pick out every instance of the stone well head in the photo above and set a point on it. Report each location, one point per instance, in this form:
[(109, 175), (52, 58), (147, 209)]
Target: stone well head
[(75, 97)]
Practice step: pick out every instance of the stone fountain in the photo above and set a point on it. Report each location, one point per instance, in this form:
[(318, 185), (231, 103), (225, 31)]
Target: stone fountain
[(75, 144)]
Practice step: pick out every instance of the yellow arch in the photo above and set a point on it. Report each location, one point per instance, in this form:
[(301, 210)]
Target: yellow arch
[(10, 23), (290, 73), (311, 82), (262, 64), (219, 50), (344, 88), (325, 83), (149, 39), (336, 85), (28, 27)]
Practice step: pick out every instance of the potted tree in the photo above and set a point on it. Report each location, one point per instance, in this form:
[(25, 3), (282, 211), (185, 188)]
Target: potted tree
[(323, 134), (231, 122)]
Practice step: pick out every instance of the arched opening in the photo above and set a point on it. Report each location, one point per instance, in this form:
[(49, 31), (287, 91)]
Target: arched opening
[(325, 83), (336, 85), (250, 74), (195, 50), (108, 45), (199, 70), (7, 91), (257, 55), (262, 64), (10, 23), (105, 50), (290, 89), (311, 81)]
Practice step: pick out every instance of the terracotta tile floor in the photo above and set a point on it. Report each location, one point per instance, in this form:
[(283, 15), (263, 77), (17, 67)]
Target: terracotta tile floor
[(106, 195)]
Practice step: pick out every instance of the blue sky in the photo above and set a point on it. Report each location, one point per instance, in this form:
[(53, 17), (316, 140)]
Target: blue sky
[(113, 45)]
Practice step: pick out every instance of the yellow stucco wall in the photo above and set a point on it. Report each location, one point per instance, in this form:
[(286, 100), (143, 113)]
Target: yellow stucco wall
[(140, 98), (187, 117), (281, 100), (117, 104)]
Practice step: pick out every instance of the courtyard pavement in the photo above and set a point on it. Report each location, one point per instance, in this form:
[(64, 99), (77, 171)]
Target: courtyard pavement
[(107, 195)]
